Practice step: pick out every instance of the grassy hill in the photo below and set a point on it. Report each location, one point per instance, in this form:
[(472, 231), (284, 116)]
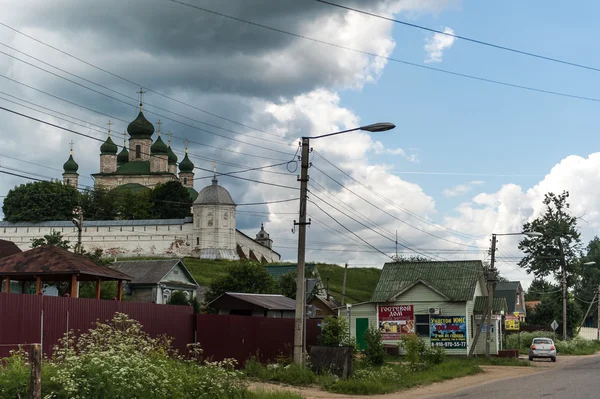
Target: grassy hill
[(360, 282)]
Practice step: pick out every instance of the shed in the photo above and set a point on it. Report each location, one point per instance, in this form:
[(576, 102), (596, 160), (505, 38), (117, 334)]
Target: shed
[(156, 280), (52, 263), (260, 305)]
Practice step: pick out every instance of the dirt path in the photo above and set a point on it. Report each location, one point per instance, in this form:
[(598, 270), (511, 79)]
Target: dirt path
[(491, 373)]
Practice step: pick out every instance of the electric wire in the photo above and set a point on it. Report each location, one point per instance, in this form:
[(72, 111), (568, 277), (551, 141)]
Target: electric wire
[(132, 82), (396, 60), (465, 38)]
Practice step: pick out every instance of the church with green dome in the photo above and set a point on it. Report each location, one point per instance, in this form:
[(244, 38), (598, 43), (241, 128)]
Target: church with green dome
[(143, 163)]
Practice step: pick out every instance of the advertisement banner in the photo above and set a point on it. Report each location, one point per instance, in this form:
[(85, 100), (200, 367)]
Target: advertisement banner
[(512, 323), (396, 320), (448, 331)]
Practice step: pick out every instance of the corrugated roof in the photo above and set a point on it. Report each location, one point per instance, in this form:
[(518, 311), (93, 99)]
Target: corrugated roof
[(276, 271), (498, 304), (508, 290), (455, 279), (101, 223), (266, 301), (149, 271), (49, 260)]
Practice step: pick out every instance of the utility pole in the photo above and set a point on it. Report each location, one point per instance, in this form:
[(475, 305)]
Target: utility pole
[(563, 281), (598, 317), (344, 285), (78, 222), (490, 304), (300, 303)]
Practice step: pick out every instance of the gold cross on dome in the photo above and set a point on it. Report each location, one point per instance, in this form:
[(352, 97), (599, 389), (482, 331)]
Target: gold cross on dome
[(186, 145), (169, 134), (159, 123), (109, 123), (71, 144), (141, 93), (215, 167)]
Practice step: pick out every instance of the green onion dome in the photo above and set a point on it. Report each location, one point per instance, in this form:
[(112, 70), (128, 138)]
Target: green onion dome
[(159, 147), (172, 156), (109, 147), (70, 166), (123, 157), (186, 166), (140, 128)]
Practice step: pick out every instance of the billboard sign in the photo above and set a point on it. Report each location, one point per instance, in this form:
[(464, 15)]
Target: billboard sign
[(448, 332), (396, 320)]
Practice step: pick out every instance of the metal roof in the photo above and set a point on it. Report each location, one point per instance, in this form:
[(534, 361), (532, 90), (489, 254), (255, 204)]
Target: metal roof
[(455, 279), (498, 304), (265, 301), (150, 271), (214, 194), (101, 223)]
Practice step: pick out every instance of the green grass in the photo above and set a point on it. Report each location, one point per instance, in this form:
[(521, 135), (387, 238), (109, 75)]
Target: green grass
[(206, 270), (360, 281), (264, 394)]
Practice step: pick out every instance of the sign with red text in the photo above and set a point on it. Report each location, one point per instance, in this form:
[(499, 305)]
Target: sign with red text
[(448, 332), (395, 321)]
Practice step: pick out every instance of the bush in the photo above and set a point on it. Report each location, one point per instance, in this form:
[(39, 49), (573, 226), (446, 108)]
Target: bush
[(419, 355), (117, 361), (178, 298), (374, 353), (335, 332), (291, 374)]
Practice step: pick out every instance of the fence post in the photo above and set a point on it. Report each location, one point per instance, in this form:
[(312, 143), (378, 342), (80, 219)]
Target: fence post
[(35, 381)]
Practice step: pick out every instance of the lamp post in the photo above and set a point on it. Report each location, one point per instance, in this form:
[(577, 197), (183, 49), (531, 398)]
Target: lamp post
[(300, 300), (490, 283)]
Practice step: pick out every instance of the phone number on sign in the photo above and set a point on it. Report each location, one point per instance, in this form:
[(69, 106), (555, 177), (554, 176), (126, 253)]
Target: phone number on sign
[(450, 344)]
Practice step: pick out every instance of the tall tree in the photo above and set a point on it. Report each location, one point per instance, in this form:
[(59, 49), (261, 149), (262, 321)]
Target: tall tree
[(99, 204), (544, 255), (170, 200), (540, 288), (286, 284), (134, 205), (247, 277), (40, 201)]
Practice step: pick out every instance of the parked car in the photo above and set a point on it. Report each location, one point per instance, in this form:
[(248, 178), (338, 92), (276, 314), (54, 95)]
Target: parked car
[(542, 347)]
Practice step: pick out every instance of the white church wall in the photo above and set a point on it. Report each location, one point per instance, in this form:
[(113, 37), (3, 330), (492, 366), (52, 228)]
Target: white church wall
[(248, 244), (215, 225)]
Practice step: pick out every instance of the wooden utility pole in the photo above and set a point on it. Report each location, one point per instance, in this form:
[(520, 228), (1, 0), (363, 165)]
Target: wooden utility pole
[(344, 285), (35, 381), (563, 282), (477, 333), (78, 222), (598, 321), (490, 303)]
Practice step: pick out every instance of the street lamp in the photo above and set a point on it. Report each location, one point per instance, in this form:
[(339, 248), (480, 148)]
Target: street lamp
[(491, 280), (300, 300)]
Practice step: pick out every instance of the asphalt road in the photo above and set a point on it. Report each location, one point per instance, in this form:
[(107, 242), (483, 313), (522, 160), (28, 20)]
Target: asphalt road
[(575, 379)]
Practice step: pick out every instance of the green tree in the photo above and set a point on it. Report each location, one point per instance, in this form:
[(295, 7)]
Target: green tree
[(178, 298), (134, 205), (99, 204), (286, 285), (374, 352), (55, 238), (245, 276), (544, 255), (589, 280), (170, 201), (335, 332), (108, 290), (40, 201), (551, 309), (540, 288)]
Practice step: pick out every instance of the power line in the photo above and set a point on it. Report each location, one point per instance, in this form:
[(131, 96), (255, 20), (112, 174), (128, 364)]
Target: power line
[(350, 231), (397, 60), (465, 38), (134, 83), (392, 215), (97, 139)]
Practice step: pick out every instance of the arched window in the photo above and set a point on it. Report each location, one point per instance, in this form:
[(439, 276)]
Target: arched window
[(184, 181), (68, 182), (197, 240), (138, 150)]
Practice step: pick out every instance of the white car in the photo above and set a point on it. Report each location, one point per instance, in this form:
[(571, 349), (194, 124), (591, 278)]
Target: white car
[(542, 347)]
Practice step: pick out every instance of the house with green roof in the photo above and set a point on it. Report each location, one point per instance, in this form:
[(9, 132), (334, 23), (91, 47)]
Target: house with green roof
[(513, 292), (435, 300)]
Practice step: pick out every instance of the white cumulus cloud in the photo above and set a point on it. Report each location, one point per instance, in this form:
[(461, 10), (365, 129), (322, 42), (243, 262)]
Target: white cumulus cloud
[(436, 44), (462, 188)]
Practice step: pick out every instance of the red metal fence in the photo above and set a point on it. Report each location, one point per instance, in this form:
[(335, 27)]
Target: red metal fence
[(26, 319)]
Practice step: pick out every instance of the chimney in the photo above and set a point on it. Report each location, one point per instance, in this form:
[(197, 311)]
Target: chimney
[(327, 287)]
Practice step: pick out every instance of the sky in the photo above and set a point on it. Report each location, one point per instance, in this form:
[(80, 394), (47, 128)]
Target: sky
[(468, 158)]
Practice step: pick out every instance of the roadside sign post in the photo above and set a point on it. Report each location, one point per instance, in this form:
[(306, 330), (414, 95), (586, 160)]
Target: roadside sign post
[(554, 326)]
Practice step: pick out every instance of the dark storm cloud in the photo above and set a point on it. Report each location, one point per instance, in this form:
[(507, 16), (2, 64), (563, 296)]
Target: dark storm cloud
[(173, 46)]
